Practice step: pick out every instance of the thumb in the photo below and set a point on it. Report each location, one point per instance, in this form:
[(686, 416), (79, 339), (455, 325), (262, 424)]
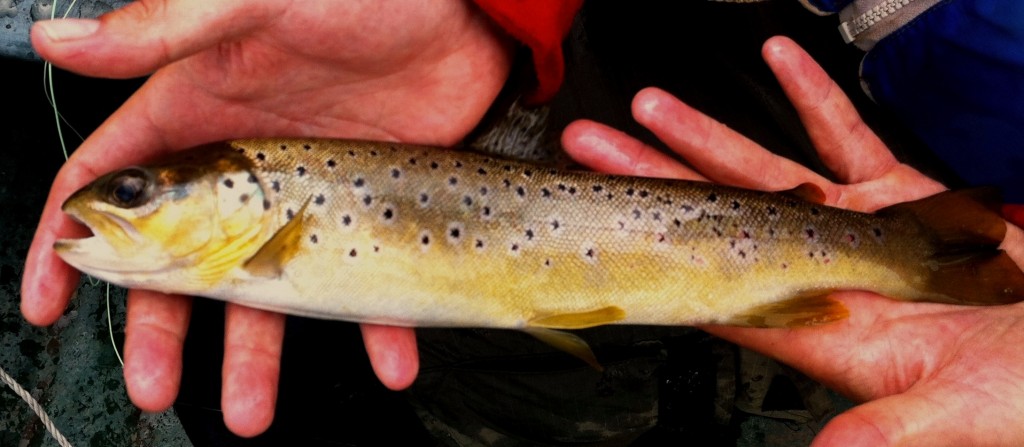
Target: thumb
[(913, 419), (145, 35)]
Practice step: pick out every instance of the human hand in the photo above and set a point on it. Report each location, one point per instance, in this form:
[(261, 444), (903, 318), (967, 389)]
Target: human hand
[(419, 72), (929, 374)]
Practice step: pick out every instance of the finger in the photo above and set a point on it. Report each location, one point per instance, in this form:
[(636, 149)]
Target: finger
[(252, 367), (714, 150), (844, 142), (145, 35), (392, 352), (154, 338), (604, 149)]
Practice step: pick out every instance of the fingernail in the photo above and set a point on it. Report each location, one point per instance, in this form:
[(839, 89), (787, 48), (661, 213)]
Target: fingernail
[(68, 29)]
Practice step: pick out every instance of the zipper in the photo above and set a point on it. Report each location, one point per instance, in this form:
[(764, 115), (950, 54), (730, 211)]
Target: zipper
[(850, 29)]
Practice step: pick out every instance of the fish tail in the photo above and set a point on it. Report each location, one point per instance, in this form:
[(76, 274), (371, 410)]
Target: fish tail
[(966, 266)]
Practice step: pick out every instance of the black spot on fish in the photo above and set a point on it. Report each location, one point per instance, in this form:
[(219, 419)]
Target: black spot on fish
[(229, 183), (346, 220), (352, 253), (487, 211), (313, 239), (307, 147), (630, 192), (507, 183), (275, 185), (637, 213), (252, 178), (572, 190), (331, 163), (609, 196), (483, 190), (373, 153), (388, 213), (742, 254), (458, 164), (656, 216), (395, 173), (686, 208), (745, 234), (529, 235), (547, 262), (544, 192), (677, 222), (261, 156), (718, 231), (597, 188), (433, 165), (479, 244), (359, 182), (284, 147), (712, 197), (520, 191), (528, 173), (815, 212), (412, 161), (507, 168), (772, 211), (424, 198), (555, 224), (877, 231), (301, 170), (735, 205), (644, 194), (290, 214), (453, 181), (467, 200), (515, 247), (243, 198), (590, 253), (240, 150), (320, 199), (455, 233), (376, 249), (351, 153), (809, 232), (481, 171), (266, 204), (425, 239), (367, 200)]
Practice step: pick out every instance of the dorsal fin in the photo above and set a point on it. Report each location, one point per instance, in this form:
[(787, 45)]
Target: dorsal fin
[(808, 192), (269, 261)]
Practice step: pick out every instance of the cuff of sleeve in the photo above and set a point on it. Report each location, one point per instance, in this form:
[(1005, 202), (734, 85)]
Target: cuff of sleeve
[(541, 25)]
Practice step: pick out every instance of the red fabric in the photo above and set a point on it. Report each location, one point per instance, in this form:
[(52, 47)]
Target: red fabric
[(541, 25), (1014, 214)]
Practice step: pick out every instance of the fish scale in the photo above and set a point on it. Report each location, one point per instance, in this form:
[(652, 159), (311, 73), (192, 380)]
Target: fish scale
[(417, 236)]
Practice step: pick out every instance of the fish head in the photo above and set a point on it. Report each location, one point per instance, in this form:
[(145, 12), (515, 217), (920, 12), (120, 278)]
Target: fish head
[(188, 220)]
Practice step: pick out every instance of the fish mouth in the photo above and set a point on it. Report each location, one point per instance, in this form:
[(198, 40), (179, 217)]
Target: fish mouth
[(103, 228)]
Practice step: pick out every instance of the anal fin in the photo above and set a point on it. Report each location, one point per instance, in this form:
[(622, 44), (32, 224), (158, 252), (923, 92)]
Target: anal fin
[(808, 309)]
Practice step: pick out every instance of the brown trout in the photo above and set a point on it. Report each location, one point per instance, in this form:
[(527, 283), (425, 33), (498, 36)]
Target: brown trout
[(417, 236)]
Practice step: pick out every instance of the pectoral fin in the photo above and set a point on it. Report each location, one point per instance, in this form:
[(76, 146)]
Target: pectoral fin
[(566, 342), (808, 309), (269, 261), (579, 320)]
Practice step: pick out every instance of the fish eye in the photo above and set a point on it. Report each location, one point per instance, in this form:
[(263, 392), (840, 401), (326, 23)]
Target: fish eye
[(129, 188)]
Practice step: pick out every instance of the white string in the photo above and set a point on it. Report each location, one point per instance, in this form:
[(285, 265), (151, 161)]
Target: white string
[(34, 405)]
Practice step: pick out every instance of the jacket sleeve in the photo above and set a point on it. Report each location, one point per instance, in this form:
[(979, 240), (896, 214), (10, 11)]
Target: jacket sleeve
[(541, 25)]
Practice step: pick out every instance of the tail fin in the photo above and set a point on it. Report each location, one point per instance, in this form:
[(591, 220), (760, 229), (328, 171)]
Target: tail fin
[(967, 265)]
